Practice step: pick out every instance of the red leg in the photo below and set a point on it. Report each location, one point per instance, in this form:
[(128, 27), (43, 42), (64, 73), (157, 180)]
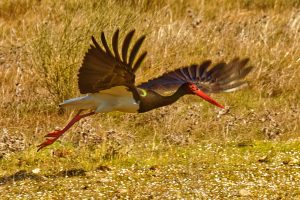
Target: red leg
[(56, 134)]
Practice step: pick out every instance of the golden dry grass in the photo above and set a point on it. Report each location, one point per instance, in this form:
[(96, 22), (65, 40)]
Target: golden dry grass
[(43, 43)]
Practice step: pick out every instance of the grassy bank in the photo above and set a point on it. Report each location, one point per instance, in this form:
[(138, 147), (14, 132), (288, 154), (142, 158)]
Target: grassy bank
[(42, 44)]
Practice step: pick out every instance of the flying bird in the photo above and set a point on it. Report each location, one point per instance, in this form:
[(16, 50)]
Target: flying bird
[(107, 78)]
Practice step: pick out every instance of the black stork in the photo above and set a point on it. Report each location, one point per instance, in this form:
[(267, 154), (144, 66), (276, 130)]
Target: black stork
[(108, 80)]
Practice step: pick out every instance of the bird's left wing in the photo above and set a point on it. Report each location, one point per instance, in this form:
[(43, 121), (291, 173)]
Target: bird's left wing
[(105, 68), (221, 77)]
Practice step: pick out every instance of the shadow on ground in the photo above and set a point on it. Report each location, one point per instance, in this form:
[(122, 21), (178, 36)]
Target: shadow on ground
[(23, 175)]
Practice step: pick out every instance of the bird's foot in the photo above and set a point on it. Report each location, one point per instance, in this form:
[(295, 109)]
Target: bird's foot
[(51, 138)]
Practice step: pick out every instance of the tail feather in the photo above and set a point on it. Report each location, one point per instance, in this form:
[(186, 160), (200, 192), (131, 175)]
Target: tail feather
[(83, 102)]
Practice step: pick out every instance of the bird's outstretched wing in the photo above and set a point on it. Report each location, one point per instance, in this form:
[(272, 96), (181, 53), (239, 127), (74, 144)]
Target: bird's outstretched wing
[(103, 69), (222, 77)]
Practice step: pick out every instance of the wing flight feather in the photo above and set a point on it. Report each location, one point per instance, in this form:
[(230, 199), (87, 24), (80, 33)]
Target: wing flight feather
[(103, 68), (220, 77)]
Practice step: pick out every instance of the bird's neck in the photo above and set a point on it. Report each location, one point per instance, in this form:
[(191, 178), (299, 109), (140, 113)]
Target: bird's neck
[(154, 100), (167, 100)]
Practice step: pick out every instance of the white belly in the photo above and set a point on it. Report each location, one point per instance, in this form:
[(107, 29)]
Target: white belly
[(108, 103), (114, 99)]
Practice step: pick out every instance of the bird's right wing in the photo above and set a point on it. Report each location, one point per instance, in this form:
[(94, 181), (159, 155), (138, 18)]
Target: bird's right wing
[(221, 77), (103, 69)]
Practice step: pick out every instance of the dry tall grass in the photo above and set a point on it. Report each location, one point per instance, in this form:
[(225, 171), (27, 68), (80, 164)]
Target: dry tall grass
[(43, 42)]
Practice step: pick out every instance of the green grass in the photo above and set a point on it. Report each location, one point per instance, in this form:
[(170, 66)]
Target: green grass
[(194, 150), (204, 170)]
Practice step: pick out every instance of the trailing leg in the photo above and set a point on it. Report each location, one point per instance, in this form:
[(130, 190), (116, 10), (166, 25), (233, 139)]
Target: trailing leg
[(53, 136)]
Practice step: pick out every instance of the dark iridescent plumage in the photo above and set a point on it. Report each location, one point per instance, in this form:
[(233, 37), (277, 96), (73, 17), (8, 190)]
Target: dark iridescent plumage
[(221, 77)]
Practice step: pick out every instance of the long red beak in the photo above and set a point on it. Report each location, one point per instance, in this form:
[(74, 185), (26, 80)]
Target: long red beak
[(207, 98), (204, 96)]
